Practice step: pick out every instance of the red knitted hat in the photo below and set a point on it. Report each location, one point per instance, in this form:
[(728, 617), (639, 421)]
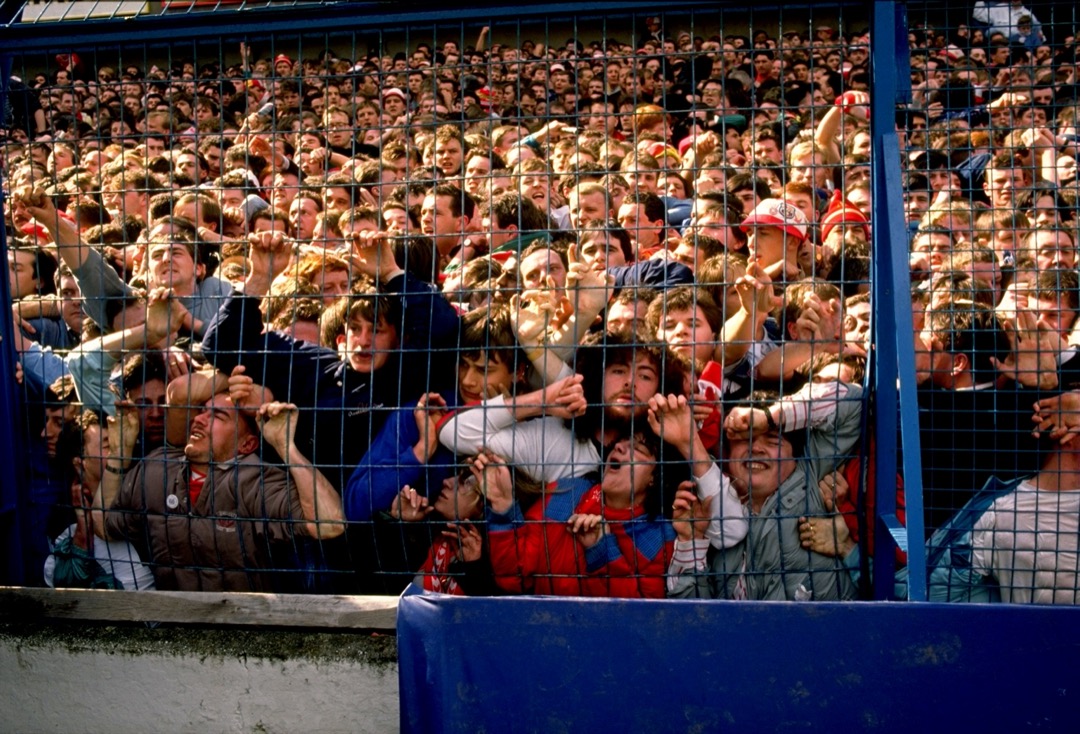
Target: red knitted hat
[(842, 211)]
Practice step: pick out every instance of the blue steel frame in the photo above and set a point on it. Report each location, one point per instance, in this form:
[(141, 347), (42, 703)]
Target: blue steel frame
[(22, 38), (893, 359), (892, 364), (11, 438)]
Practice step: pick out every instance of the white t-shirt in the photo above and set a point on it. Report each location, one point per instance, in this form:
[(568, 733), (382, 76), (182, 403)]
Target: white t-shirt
[(117, 557), (1028, 540)]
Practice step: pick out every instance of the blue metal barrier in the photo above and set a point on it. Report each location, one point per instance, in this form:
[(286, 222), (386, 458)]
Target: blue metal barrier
[(569, 665)]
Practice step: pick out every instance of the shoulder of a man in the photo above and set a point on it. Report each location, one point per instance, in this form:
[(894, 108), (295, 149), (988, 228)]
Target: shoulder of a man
[(654, 273), (153, 468), (214, 287), (263, 489), (251, 470)]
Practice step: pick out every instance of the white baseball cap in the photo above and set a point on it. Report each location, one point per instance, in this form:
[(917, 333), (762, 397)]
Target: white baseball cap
[(777, 213)]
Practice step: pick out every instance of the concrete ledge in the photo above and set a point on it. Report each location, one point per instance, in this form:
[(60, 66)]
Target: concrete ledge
[(24, 604)]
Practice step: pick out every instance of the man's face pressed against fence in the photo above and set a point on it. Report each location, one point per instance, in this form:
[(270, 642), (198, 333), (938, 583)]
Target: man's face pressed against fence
[(540, 265), (54, 427), (601, 251), (688, 333), (368, 346), (482, 376), (628, 472), (172, 266), (759, 466), (459, 498), (628, 387), (219, 433)]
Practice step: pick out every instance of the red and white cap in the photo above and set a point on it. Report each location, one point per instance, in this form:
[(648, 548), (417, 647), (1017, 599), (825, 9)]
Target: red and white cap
[(394, 92), (777, 213), (954, 53)]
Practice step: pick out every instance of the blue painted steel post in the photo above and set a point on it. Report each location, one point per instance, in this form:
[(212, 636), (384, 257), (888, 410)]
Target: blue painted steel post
[(894, 360), (11, 439)]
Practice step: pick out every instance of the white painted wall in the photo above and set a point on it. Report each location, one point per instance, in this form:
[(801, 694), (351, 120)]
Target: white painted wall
[(57, 687)]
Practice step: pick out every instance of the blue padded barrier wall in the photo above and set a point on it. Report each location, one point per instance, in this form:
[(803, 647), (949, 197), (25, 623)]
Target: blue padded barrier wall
[(571, 665)]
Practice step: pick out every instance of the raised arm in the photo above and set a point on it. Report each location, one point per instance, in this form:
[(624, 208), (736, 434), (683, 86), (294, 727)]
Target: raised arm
[(589, 293), (672, 418), (532, 445), (185, 397), (97, 279), (92, 362), (41, 367), (319, 502), (289, 368), (703, 144), (781, 364), (123, 431), (853, 103), (756, 300), (515, 545), (533, 315), (832, 410), (1044, 145), (72, 250), (428, 318), (269, 254), (406, 452)]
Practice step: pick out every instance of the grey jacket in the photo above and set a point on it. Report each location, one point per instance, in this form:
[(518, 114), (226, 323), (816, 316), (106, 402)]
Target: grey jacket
[(771, 563)]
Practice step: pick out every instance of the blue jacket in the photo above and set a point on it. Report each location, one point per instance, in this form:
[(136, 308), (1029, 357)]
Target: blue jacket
[(650, 273), (53, 333), (390, 464), (41, 368)]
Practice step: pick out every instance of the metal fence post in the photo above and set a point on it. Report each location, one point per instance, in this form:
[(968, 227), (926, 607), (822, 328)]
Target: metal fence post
[(894, 360), (10, 435)]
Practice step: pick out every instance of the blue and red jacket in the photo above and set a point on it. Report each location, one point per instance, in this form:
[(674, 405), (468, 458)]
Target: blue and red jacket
[(535, 553)]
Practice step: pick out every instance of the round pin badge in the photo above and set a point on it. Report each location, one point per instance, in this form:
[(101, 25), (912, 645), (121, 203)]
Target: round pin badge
[(172, 501)]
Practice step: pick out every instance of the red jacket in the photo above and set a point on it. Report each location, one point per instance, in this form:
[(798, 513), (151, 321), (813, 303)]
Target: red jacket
[(848, 507), (535, 553)]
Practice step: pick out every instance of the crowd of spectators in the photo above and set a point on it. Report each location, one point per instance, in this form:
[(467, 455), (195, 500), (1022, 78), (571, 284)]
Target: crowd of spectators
[(500, 318)]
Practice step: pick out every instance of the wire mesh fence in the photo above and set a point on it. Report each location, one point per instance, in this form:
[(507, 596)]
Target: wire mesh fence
[(574, 305)]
